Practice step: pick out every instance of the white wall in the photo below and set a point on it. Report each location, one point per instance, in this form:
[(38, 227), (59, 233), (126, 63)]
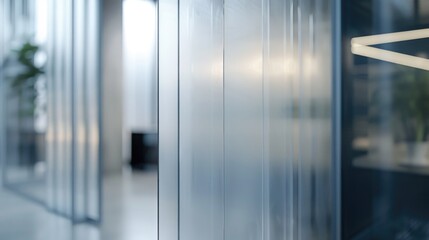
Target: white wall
[(140, 70)]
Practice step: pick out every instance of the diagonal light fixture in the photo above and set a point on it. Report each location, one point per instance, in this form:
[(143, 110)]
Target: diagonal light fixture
[(362, 46)]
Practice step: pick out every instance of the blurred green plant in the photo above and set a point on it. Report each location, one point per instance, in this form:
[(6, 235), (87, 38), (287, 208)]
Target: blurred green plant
[(410, 103), (23, 77)]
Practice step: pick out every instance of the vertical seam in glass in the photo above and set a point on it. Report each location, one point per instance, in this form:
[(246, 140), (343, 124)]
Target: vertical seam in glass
[(288, 143), (178, 118), (99, 55), (265, 15), (86, 110), (299, 117), (223, 118), (293, 141), (73, 113)]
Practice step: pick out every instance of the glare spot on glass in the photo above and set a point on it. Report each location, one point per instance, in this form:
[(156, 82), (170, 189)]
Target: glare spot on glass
[(283, 67), (310, 65), (41, 12), (217, 69), (255, 65)]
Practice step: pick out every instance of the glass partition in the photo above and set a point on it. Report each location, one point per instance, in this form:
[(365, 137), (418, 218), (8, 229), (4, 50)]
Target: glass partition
[(24, 96), (50, 104), (254, 102), (385, 96)]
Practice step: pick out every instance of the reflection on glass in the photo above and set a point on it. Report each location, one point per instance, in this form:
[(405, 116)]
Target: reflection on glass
[(25, 101), (51, 104), (385, 120), (360, 46)]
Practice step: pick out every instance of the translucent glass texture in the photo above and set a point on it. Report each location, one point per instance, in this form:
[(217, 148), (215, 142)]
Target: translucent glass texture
[(168, 174), (73, 109), (385, 135), (22, 91), (59, 138), (3, 48), (201, 119), (255, 119)]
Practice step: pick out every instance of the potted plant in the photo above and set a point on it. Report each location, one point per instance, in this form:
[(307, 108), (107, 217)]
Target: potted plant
[(410, 104), (22, 75)]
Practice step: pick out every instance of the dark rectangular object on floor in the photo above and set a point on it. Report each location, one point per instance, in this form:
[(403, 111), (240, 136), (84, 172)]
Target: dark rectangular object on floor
[(144, 150)]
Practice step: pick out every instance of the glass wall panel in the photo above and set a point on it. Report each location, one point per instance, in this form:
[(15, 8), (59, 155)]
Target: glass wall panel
[(50, 104), (23, 91), (201, 119), (313, 120), (385, 95), (243, 61), (255, 119), (278, 118)]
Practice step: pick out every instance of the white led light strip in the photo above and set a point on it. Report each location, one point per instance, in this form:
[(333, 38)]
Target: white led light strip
[(362, 46)]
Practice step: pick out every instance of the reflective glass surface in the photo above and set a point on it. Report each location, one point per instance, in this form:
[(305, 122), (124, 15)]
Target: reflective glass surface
[(24, 98), (50, 104), (255, 96), (385, 92)]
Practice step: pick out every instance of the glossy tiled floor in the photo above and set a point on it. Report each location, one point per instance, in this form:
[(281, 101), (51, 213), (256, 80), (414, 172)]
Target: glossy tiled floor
[(130, 213)]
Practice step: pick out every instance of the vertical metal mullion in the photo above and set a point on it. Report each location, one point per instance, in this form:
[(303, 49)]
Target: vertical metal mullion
[(336, 117)]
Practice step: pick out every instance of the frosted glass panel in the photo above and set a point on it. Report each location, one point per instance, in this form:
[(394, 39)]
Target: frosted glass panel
[(243, 120), (73, 109), (313, 119), (201, 119), (255, 119), (86, 111), (278, 118), (51, 154)]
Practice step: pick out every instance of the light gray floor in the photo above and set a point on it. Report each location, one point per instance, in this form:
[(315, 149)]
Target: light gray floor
[(130, 213)]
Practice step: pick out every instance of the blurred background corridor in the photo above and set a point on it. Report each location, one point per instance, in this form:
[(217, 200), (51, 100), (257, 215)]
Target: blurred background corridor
[(78, 121)]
